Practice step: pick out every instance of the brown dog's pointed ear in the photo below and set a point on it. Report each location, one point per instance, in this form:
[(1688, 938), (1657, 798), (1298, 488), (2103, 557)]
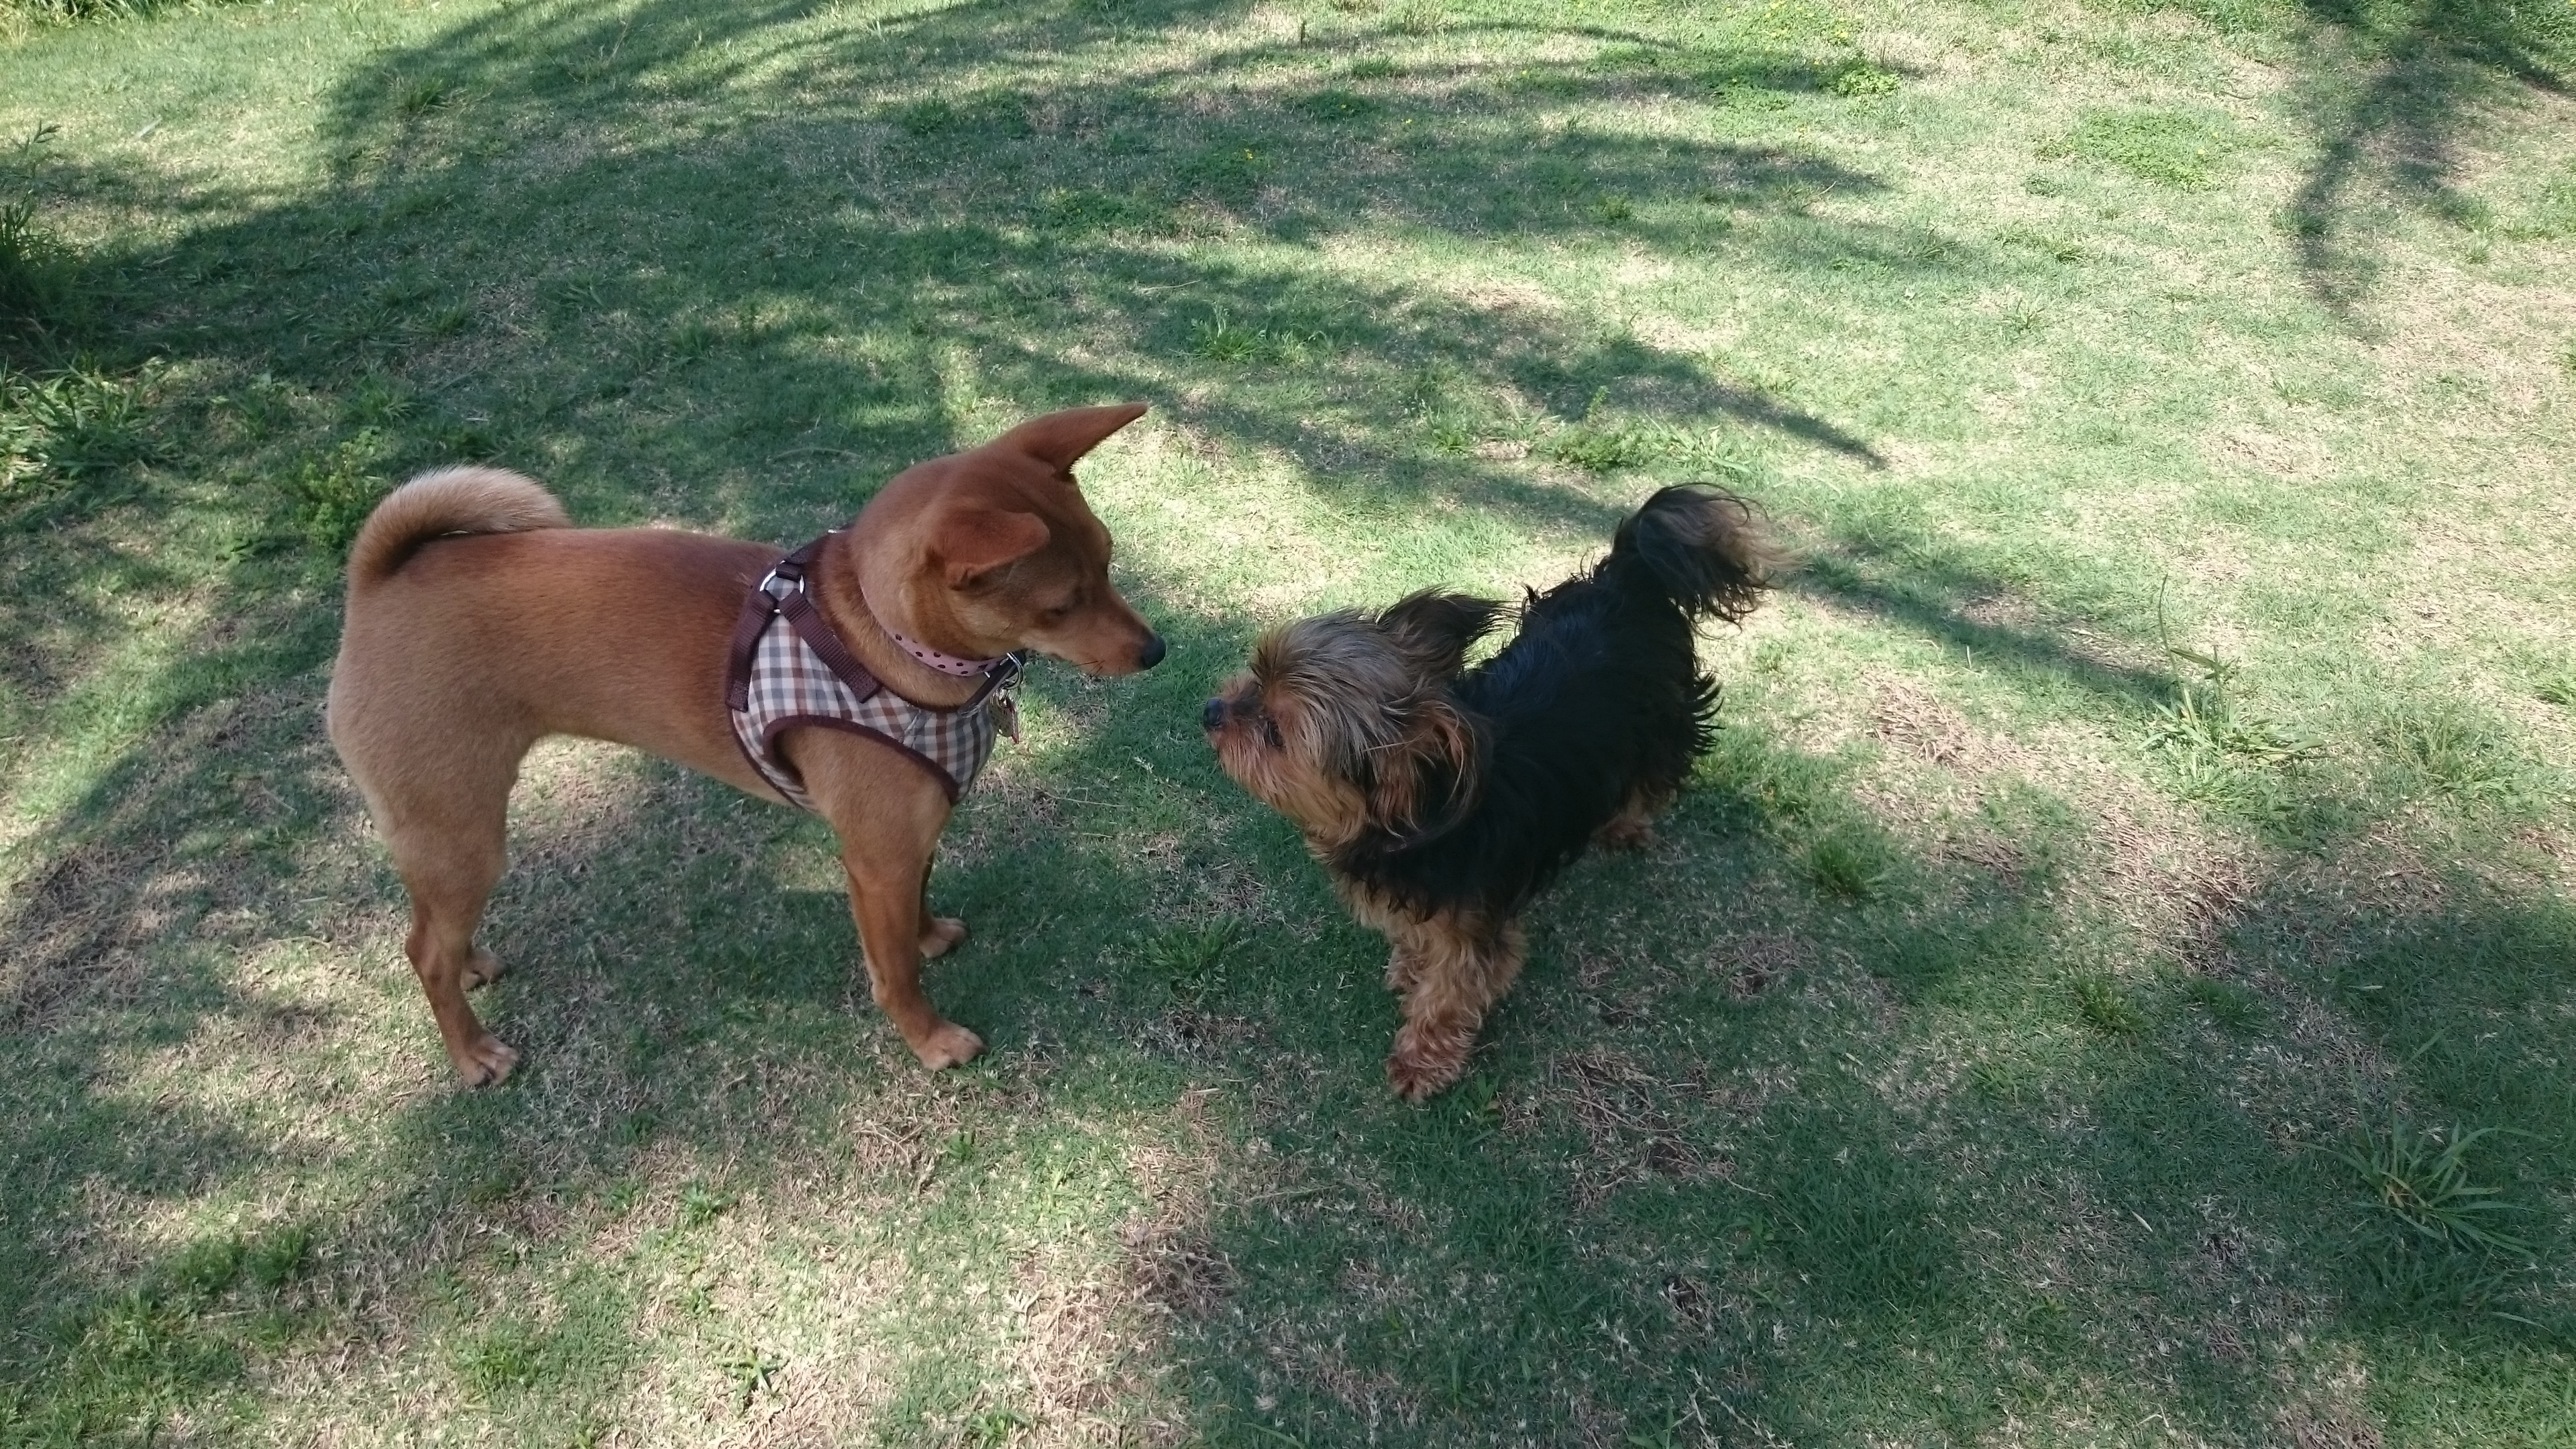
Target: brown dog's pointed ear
[(972, 542), (1059, 438), (1428, 779), (1434, 630)]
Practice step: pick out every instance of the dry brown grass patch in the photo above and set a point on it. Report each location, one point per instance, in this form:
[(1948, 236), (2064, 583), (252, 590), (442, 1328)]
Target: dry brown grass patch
[(1170, 1262), (2251, 448), (1083, 1354), (1753, 964), (2329, 1413), (1911, 719), (1630, 1135)]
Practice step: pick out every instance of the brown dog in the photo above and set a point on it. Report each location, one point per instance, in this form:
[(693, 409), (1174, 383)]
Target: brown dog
[(480, 621)]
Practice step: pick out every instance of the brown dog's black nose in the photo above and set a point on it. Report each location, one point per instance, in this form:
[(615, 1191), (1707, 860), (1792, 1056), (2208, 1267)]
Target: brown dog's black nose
[(1152, 653), (1212, 716)]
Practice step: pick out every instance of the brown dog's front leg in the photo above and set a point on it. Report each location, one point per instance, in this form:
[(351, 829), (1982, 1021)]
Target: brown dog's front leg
[(888, 814), (939, 934), (886, 900)]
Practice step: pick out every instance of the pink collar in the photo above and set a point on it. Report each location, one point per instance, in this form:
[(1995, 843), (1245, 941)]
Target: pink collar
[(944, 663)]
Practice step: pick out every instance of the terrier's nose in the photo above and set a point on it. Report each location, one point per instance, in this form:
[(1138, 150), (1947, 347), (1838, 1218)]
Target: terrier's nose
[(1152, 653), (1212, 716)]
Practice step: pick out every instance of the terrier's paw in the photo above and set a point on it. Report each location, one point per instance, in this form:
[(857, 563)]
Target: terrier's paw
[(941, 935), (1401, 967), (482, 969), (1624, 833), (948, 1045), (1418, 1072), (486, 1062)]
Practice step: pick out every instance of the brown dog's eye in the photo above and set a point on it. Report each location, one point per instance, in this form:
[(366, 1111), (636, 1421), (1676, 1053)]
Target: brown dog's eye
[(1055, 615)]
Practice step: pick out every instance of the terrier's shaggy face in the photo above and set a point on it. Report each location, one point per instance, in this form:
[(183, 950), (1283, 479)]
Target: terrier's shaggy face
[(1343, 723)]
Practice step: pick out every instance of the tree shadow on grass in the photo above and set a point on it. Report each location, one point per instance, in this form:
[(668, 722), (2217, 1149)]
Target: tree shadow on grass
[(1713, 1168), (1942, 601), (1718, 1162), (2435, 69), (795, 291), (1070, 260)]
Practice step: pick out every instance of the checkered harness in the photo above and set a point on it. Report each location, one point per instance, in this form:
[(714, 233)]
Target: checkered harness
[(787, 668)]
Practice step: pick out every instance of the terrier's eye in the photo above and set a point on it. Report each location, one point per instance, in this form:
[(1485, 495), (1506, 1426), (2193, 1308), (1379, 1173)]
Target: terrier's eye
[(1270, 732)]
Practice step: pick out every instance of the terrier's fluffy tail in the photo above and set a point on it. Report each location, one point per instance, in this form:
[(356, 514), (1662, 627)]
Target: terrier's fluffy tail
[(447, 501), (1698, 547)]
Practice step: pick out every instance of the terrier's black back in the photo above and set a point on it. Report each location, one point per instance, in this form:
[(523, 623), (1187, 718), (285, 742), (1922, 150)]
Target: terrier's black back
[(1597, 702)]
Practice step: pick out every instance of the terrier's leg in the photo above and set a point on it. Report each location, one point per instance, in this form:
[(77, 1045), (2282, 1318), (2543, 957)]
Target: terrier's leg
[(1464, 967)]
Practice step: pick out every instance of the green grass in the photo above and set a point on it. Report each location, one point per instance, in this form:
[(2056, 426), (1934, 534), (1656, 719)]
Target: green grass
[(2178, 149), (2145, 805)]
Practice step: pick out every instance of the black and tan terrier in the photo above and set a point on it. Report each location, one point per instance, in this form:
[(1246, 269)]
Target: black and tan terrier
[(1443, 799)]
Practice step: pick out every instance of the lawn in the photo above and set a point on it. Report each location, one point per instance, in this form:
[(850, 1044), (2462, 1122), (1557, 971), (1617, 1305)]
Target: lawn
[(2110, 984)]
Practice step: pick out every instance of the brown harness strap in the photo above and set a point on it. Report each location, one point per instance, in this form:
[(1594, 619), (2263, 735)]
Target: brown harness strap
[(784, 592), (761, 605)]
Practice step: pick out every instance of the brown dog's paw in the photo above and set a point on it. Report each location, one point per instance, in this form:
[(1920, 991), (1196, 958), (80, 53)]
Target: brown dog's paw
[(1417, 1074), (486, 1063), (948, 1045), (482, 970), (942, 935)]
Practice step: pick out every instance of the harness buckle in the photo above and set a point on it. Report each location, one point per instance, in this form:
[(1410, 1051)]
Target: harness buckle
[(783, 573)]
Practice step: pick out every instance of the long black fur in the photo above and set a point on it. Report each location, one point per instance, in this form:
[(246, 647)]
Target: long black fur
[(1597, 701)]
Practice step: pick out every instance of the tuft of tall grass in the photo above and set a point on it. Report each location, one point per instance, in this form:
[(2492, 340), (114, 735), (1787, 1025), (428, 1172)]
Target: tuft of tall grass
[(2454, 747), (1218, 338), (1849, 861), (1603, 442), (37, 273), (329, 494), (1189, 958), (73, 12), (65, 427), (2420, 1176), (2221, 754), (2106, 1008), (2202, 719)]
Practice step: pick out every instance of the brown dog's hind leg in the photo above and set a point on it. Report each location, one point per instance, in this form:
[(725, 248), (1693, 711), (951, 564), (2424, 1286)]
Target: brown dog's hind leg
[(450, 851), (1460, 971)]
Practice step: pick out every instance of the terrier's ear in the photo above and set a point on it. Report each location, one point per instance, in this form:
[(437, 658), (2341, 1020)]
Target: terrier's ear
[(1426, 780), (970, 543), (1057, 439), (1434, 630)]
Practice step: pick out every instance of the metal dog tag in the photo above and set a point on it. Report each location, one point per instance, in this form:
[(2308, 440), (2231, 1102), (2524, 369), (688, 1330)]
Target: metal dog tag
[(1004, 707)]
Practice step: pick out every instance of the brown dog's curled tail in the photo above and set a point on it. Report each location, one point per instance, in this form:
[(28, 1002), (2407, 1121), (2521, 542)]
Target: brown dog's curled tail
[(443, 502)]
